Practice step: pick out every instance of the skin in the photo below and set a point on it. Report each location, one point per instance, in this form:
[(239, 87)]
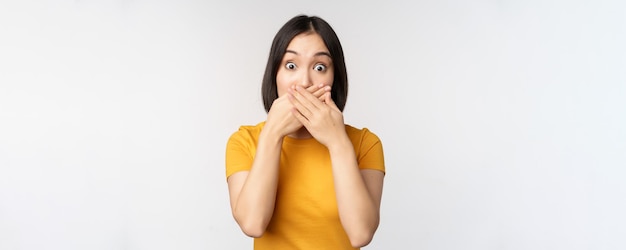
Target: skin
[(304, 109)]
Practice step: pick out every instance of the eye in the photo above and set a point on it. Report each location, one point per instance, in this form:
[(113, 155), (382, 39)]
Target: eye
[(290, 65), (320, 67)]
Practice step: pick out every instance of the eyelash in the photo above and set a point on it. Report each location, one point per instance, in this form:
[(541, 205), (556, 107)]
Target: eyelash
[(314, 67), (323, 69)]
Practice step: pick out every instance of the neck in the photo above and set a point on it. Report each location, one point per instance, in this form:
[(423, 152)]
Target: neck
[(301, 133)]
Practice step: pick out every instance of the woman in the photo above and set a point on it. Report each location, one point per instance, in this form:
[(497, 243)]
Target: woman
[(303, 179)]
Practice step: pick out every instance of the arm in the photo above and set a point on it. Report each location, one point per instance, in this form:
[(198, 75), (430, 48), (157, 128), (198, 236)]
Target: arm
[(358, 191), (358, 194), (252, 193)]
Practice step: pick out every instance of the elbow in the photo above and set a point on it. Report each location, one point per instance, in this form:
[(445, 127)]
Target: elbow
[(361, 239), (254, 231), (251, 228), (362, 235)]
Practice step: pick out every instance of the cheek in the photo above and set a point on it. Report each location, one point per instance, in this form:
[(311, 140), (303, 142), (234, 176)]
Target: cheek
[(329, 78), (282, 83), (325, 79)]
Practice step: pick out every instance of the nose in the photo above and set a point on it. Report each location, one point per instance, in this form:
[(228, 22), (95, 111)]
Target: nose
[(305, 80)]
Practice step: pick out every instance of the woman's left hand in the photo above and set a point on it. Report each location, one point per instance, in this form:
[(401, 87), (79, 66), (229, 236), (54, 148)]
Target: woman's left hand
[(323, 120)]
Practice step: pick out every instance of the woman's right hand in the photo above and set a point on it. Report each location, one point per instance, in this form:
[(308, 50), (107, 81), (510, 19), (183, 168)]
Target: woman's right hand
[(280, 120)]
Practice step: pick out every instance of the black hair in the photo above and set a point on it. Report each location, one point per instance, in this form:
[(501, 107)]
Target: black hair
[(295, 26)]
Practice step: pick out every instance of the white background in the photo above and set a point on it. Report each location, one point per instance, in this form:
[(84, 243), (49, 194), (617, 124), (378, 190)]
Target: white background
[(503, 122)]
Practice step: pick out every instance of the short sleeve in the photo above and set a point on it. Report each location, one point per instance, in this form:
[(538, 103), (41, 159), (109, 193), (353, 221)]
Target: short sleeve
[(370, 152), (240, 150)]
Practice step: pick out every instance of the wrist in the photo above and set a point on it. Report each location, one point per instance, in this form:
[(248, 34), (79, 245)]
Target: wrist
[(271, 136), (342, 145)]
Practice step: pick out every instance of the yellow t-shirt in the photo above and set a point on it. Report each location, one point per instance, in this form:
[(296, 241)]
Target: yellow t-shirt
[(305, 214)]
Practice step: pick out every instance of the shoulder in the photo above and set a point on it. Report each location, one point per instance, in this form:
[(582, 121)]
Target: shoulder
[(361, 136), (354, 132), (367, 147), (251, 129), (248, 133)]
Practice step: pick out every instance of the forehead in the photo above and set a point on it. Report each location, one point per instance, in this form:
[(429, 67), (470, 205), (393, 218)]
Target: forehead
[(307, 43)]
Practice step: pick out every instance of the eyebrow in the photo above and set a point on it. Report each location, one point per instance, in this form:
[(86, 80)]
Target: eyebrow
[(321, 53)]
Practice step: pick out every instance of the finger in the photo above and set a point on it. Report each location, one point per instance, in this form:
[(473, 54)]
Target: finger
[(321, 91), (302, 108), (301, 118), (307, 99), (329, 101), (312, 88), (317, 90)]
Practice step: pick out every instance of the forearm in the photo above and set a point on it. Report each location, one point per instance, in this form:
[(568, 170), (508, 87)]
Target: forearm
[(358, 211), (255, 204)]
